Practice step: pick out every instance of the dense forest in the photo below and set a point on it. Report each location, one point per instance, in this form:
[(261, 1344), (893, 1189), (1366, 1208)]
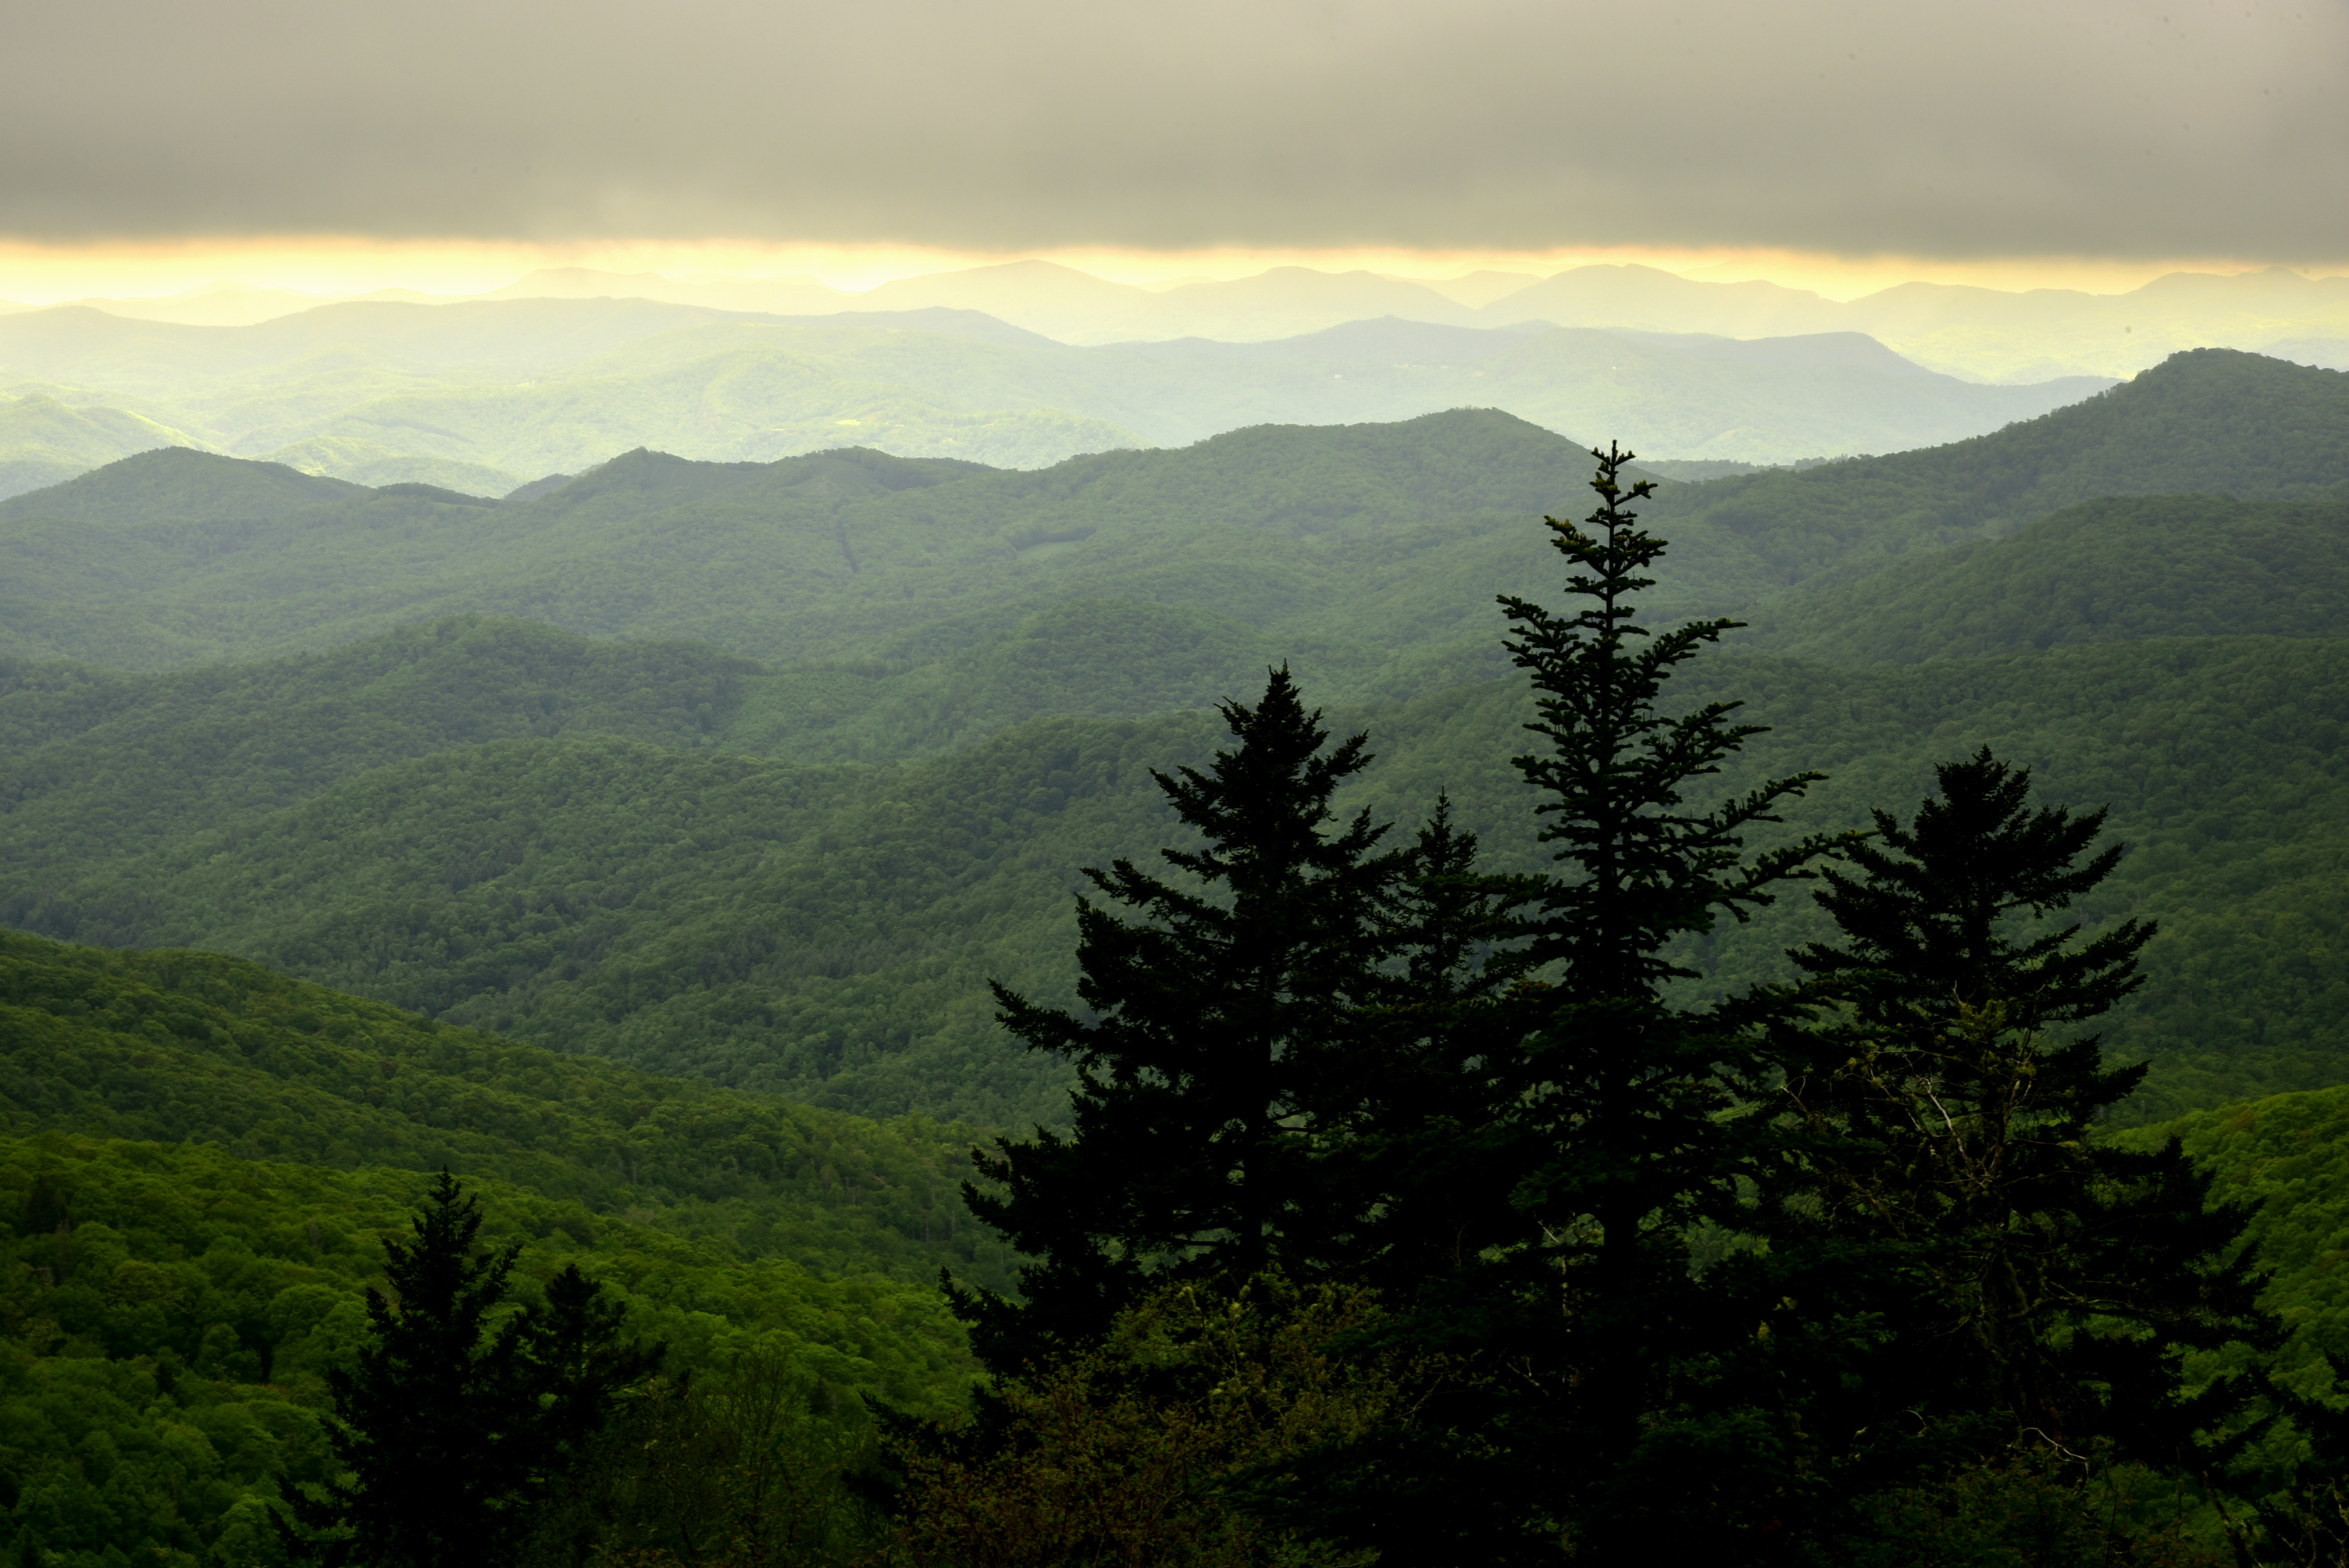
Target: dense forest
[(510, 828), (202, 1154), (643, 851)]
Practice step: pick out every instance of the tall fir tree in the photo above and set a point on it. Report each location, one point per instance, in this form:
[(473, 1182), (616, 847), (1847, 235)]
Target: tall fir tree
[(1426, 1166), (576, 1362), (2023, 1279), (1209, 1074), (1620, 1092)]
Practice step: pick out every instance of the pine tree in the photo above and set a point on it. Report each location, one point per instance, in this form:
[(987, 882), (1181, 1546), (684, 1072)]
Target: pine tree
[(1621, 1092), (1224, 1009), (1427, 1168), (431, 1424), (2032, 1281)]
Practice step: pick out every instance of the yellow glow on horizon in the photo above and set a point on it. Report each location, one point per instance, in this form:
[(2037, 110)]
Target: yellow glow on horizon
[(332, 265)]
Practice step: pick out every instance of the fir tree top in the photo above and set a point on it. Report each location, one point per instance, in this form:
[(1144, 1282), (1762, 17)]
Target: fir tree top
[(1644, 867)]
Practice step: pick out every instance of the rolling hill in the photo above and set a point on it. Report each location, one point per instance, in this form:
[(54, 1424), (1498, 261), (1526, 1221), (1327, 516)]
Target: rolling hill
[(200, 1160), (2210, 421), (618, 849), (44, 441), (2105, 571)]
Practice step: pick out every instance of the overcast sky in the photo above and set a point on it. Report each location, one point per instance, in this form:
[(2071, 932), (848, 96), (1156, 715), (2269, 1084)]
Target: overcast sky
[(2124, 130)]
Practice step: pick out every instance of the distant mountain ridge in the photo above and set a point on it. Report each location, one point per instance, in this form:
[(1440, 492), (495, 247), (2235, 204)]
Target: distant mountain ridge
[(45, 441), (2211, 420), (179, 484), (483, 396), (1998, 335), (1367, 552)]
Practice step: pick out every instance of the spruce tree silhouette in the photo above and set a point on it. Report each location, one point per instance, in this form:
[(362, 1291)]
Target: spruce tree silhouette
[(1619, 1090), (1223, 1011), (435, 1425), (1420, 1161), (2029, 1281), (44, 1208)]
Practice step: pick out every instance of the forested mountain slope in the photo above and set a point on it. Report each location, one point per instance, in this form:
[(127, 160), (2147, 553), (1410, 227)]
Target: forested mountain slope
[(1378, 537), (44, 441), (825, 929), (199, 1159), (2287, 1158), (2145, 566), (2212, 421), (149, 754), (612, 850), (177, 1047), (171, 485)]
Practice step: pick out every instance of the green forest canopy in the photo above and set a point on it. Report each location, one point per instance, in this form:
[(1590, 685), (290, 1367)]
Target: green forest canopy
[(596, 846)]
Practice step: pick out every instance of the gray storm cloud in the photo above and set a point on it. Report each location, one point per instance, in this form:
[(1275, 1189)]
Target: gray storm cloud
[(1985, 128)]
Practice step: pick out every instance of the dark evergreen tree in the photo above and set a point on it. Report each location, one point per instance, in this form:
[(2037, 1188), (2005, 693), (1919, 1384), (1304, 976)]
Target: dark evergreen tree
[(1211, 1069), (1619, 1092), (1424, 1173), (450, 1432), (1423, 1163), (46, 1207), (576, 1362), (433, 1424), (2024, 1279)]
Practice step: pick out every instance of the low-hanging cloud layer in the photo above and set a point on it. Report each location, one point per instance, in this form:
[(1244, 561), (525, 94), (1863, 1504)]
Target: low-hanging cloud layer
[(2168, 129)]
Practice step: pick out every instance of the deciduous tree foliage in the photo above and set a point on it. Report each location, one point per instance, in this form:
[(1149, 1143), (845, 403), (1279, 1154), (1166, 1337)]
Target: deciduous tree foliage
[(1158, 1443)]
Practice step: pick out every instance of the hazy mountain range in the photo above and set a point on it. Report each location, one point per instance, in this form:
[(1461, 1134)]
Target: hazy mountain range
[(485, 396), (1980, 334)]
